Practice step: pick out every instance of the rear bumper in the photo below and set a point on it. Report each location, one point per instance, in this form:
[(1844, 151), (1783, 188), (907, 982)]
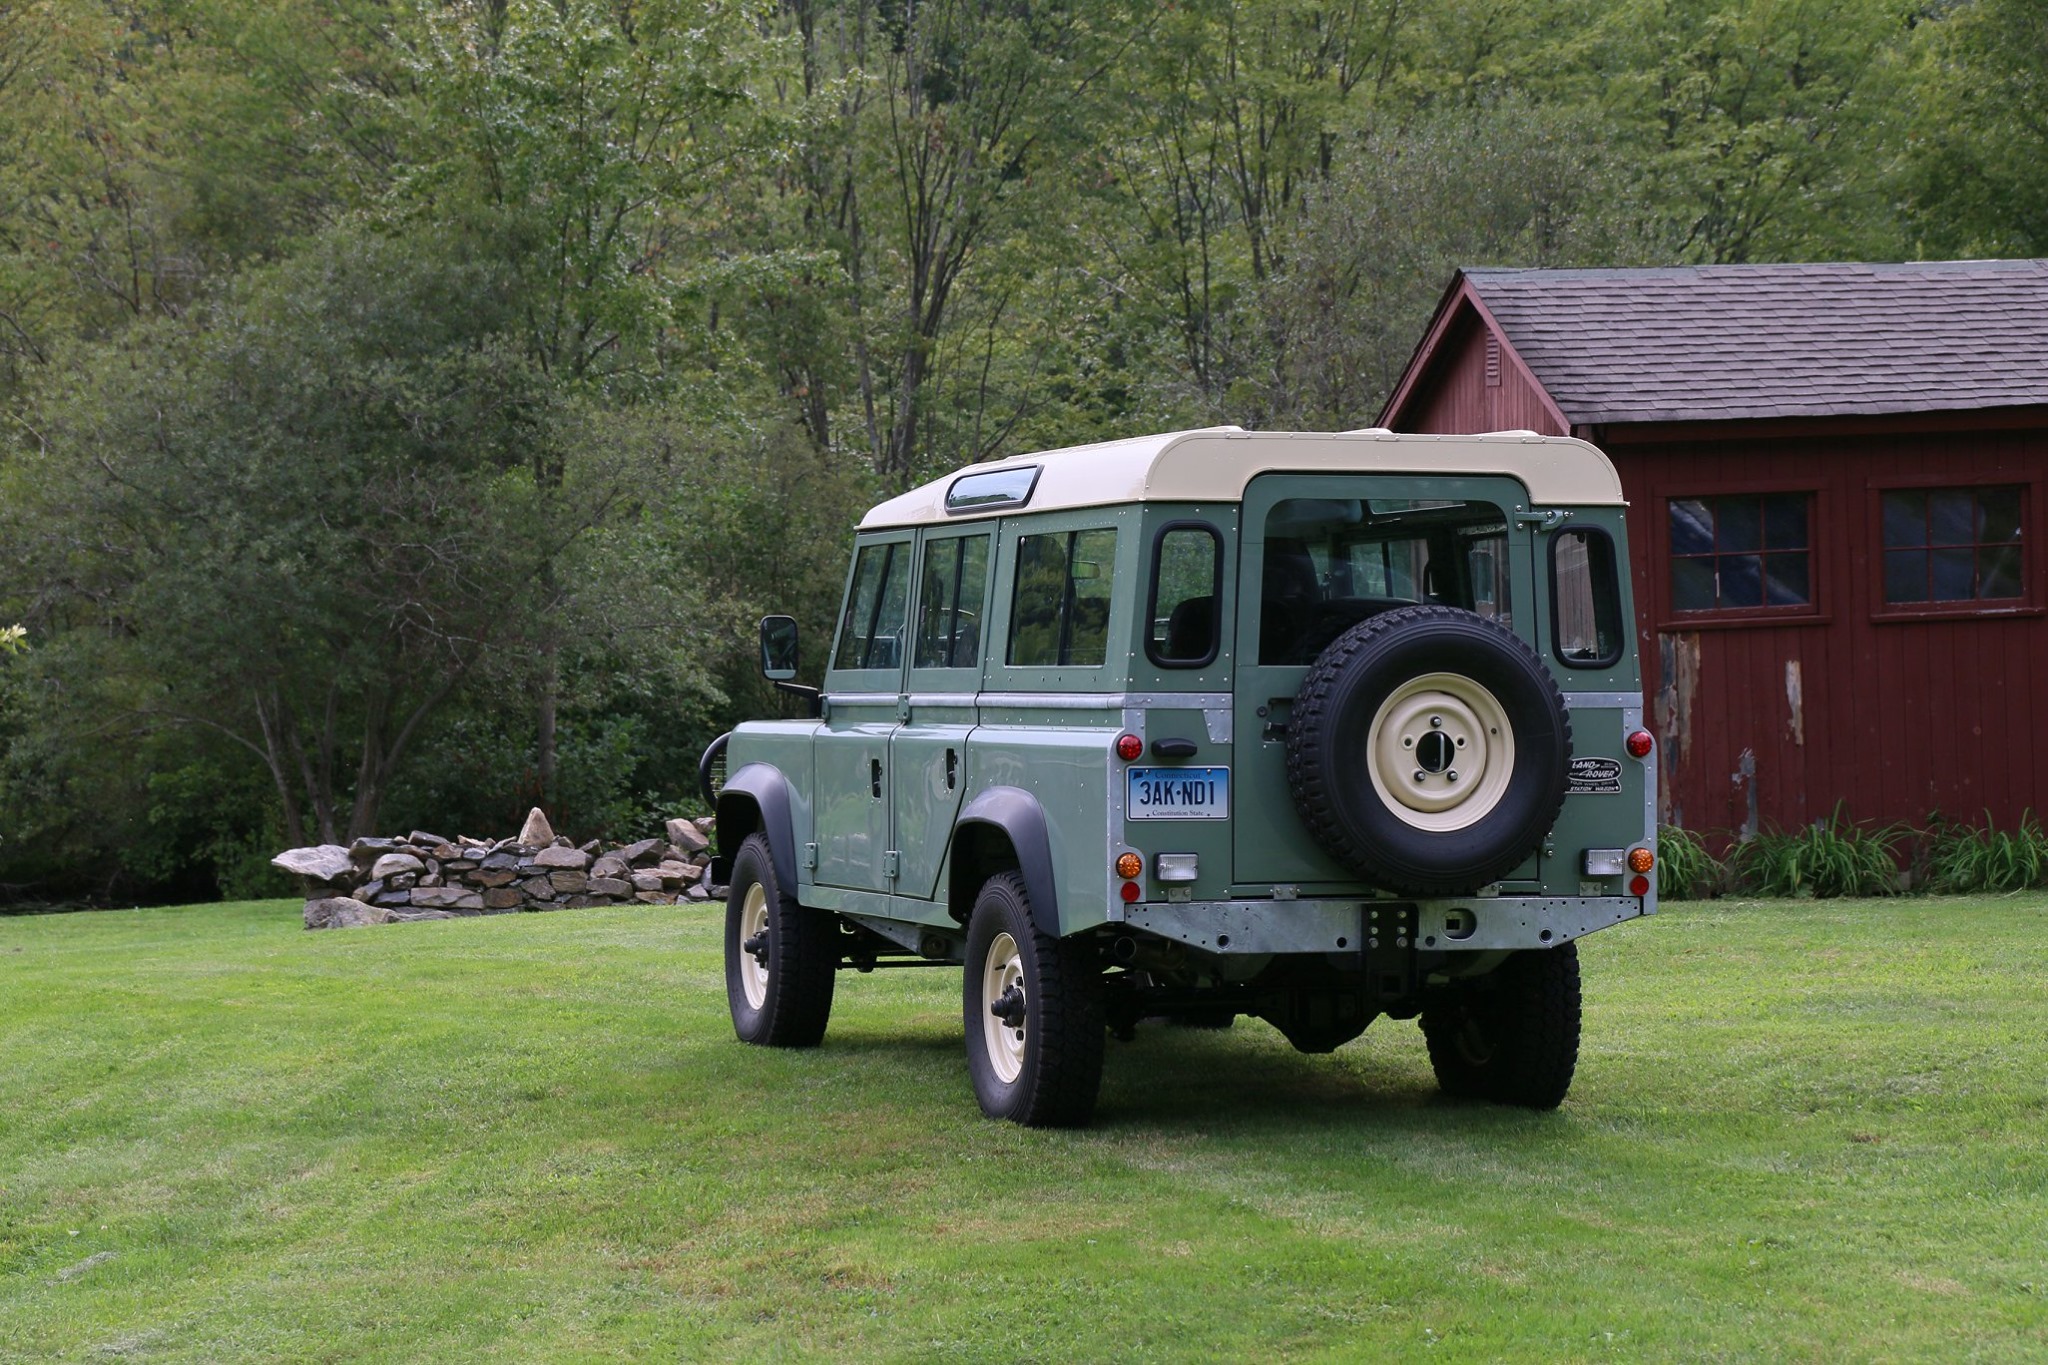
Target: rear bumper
[(1463, 925)]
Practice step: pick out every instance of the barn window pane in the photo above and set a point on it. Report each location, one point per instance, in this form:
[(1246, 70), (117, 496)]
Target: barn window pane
[(1954, 575), (1950, 517), (1786, 579), (1738, 524), (1785, 522), (1741, 551), (1692, 585), (1742, 581), (1692, 527), (1905, 576), (1998, 571), (1953, 545), (1999, 515)]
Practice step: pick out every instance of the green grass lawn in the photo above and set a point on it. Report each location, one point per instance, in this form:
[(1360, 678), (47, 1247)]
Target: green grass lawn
[(1799, 1130)]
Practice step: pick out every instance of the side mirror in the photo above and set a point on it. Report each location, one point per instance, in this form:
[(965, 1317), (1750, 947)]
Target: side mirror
[(778, 648)]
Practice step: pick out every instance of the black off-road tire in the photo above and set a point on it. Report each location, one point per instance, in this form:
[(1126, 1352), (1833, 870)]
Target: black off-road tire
[(1330, 751), (783, 999), (1046, 1071), (1511, 1037)]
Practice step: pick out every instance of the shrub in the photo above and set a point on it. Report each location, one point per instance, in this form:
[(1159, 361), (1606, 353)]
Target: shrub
[(1686, 870), (1831, 857), (1964, 858)]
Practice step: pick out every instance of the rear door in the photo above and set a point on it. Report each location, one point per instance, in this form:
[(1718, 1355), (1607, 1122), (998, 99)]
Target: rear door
[(1320, 553)]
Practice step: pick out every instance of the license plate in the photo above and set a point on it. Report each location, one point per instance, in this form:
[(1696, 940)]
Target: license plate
[(1178, 794)]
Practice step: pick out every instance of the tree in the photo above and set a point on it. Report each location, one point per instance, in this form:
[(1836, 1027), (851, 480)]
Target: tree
[(303, 518)]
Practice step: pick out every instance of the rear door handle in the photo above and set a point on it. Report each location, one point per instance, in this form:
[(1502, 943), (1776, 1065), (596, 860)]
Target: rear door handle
[(875, 777)]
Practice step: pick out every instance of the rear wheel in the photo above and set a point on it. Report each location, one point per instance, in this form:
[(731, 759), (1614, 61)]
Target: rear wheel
[(780, 957), (1511, 1037), (1033, 1009)]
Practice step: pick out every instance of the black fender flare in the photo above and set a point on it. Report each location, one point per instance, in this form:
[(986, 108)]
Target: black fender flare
[(1017, 814), (766, 790)]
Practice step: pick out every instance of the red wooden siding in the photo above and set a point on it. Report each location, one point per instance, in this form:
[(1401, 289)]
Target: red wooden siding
[(1895, 717), (1456, 399), (1777, 721)]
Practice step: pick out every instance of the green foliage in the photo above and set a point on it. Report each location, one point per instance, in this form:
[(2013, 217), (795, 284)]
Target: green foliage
[(486, 370), (1962, 859), (1831, 857), (1685, 868)]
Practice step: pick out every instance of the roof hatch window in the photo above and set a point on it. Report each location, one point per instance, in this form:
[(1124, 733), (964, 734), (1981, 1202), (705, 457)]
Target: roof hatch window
[(997, 488)]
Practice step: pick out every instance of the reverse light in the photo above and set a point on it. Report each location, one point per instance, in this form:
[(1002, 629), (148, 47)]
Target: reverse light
[(1175, 867), (1641, 860), (1640, 743), (1130, 748), (1129, 865)]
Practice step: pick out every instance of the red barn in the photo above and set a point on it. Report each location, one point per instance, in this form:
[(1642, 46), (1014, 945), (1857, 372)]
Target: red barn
[(1836, 508)]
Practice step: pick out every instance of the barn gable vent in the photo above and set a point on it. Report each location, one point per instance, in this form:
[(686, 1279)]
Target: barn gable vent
[(1492, 361)]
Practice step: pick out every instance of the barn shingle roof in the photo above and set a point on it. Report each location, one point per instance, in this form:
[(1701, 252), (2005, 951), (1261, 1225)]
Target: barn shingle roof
[(1710, 343)]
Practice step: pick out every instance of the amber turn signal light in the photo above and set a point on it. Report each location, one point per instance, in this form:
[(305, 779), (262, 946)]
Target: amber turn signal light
[(1129, 865), (1641, 860), (1640, 744), (1129, 747)]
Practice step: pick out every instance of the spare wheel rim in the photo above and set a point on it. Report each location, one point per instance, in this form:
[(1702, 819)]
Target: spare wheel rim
[(1002, 970), (753, 920), (1440, 752)]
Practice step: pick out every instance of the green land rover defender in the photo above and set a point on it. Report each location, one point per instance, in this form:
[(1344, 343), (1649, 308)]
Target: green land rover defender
[(1307, 727)]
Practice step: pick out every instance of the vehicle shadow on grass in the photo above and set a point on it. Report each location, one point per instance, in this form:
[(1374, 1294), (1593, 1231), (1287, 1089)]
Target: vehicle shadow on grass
[(1244, 1079)]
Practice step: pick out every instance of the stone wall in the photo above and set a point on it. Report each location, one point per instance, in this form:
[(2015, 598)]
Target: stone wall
[(424, 876)]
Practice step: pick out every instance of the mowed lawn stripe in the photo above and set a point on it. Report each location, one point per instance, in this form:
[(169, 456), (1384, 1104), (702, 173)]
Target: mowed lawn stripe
[(1807, 1130)]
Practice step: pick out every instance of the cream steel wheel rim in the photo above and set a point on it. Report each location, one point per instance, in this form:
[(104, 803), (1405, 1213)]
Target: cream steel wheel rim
[(1440, 752), (753, 920), (1002, 972)]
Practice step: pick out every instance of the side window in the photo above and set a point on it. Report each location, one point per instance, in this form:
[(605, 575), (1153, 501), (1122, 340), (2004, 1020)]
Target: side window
[(871, 632), (1187, 581), (1952, 545), (1585, 600), (949, 605), (1745, 550), (1059, 616)]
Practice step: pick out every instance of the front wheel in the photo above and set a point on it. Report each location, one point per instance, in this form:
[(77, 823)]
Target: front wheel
[(1512, 1036), (1032, 1005), (780, 956)]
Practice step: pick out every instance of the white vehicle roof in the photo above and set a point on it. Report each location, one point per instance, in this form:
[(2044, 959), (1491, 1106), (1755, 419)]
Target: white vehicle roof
[(1215, 463)]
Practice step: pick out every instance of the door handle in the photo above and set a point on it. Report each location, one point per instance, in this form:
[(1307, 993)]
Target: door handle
[(875, 777), (952, 769)]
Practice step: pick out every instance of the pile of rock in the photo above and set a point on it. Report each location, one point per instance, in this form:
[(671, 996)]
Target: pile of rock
[(424, 876)]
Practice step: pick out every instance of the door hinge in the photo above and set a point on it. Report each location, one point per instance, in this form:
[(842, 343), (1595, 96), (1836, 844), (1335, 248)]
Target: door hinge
[(1544, 520), (811, 857), (892, 861)]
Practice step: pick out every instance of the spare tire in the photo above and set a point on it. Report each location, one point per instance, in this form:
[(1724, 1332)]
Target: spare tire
[(1427, 750)]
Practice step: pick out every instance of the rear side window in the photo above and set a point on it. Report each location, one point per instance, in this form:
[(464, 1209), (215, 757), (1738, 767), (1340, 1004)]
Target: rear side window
[(1059, 616), (1187, 581), (1585, 599), (949, 606), (871, 632)]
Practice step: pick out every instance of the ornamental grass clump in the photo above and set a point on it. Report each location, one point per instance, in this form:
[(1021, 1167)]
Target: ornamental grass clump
[(1686, 870), (1962, 858), (1831, 857)]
